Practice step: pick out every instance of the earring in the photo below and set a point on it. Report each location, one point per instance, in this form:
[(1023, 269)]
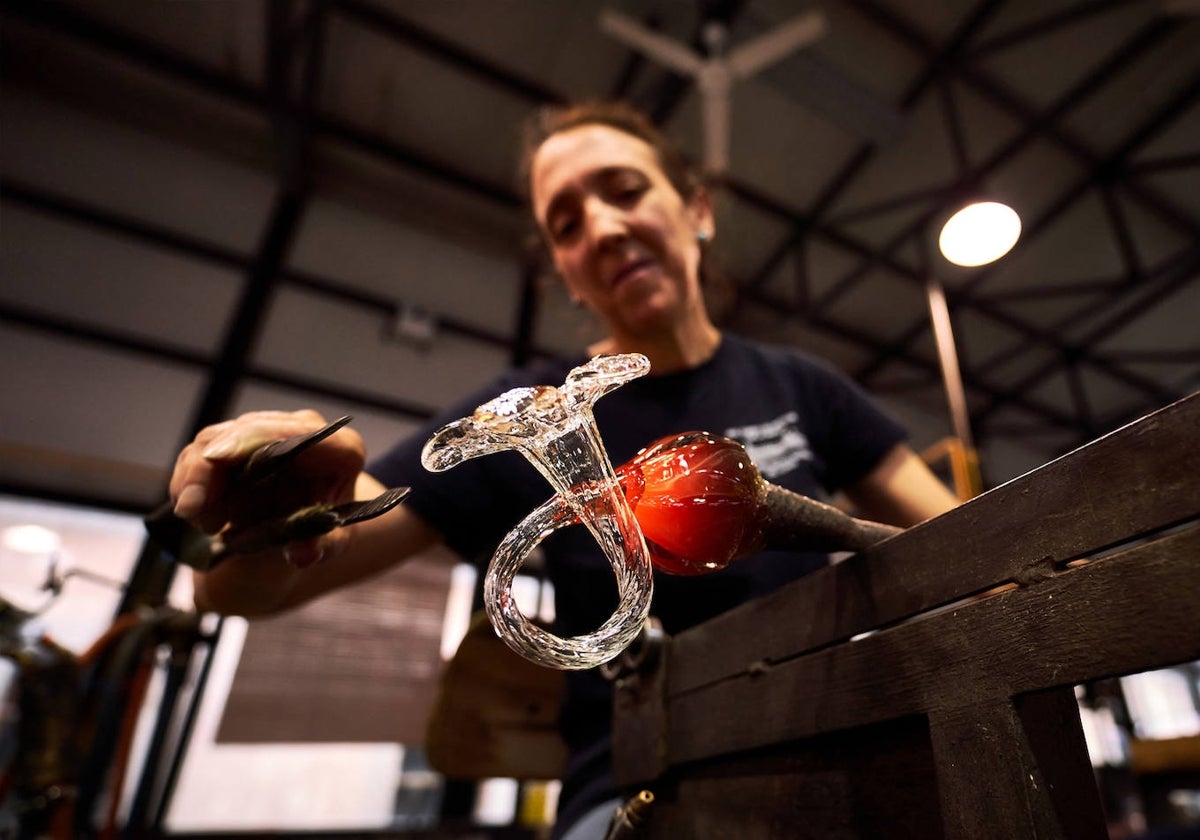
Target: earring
[(703, 236)]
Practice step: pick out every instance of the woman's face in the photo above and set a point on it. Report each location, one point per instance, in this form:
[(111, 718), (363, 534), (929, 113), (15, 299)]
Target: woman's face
[(623, 239)]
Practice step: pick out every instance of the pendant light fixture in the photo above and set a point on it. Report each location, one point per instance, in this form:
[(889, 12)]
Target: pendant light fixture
[(979, 233)]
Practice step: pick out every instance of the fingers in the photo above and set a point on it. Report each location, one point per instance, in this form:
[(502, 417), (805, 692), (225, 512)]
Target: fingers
[(192, 486), (199, 488), (304, 553), (235, 440)]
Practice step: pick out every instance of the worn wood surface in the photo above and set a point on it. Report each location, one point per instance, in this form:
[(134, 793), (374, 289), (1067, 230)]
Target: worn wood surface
[(869, 782), (1100, 550), (1128, 612), (1137, 480)]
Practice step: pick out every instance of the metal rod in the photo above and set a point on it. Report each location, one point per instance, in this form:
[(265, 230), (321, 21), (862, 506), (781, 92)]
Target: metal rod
[(943, 333), (188, 725)]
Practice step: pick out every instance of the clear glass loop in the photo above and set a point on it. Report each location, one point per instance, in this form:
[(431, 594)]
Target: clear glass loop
[(555, 430)]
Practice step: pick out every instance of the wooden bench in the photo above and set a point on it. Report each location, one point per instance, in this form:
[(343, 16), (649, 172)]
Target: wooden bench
[(889, 696)]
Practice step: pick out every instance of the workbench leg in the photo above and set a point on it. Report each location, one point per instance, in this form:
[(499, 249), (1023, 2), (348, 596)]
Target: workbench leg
[(1020, 769)]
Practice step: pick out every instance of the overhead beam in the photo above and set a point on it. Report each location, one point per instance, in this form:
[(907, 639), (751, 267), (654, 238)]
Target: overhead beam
[(880, 348), (160, 237), (96, 33), (1177, 272), (404, 31), (127, 46), (74, 329), (1033, 128), (1047, 24), (966, 293), (936, 64), (982, 82)]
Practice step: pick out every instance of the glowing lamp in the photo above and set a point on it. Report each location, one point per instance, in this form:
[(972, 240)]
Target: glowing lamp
[(30, 539), (980, 233)]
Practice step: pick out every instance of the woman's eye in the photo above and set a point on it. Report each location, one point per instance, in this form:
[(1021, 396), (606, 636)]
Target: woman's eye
[(629, 191), (563, 227), (624, 186)]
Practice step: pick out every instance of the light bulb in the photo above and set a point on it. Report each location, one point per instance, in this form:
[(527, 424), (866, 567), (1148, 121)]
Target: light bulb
[(30, 539), (980, 233)]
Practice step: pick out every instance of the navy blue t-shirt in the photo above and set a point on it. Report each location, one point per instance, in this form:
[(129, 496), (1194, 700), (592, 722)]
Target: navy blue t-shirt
[(806, 427)]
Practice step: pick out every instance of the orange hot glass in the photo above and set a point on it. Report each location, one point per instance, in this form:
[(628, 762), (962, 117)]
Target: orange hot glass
[(698, 499), (702, 503)]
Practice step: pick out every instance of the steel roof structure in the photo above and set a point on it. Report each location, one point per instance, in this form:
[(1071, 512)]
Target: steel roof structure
[(213, 207)]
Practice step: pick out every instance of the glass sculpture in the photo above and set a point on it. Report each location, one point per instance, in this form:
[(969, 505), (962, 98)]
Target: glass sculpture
[(687, 504), (555, 430)]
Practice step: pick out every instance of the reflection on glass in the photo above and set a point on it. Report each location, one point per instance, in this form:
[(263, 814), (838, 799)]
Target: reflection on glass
[(555, 430), (702, 503)]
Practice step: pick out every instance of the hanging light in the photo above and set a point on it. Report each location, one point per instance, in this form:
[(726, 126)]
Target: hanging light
[(30, 552), (980, 233), (30, 539)]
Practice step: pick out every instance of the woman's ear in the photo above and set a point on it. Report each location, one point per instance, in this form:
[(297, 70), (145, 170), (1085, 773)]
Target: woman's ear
[(700, 209)]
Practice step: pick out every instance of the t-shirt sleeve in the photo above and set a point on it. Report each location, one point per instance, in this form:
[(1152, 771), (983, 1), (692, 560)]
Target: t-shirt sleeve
[(854, 432)]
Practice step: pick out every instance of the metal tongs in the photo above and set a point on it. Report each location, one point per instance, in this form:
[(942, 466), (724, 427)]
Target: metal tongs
[(201, 551)]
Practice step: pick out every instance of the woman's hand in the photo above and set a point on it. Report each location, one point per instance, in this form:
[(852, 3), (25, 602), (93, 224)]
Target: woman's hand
[(204, 493)]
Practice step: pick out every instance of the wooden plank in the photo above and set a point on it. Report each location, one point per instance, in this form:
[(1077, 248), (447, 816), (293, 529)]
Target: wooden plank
[(988, 780), (966, 773), (872, 782), (1127, 612), (639, 702), (1018, 769), (1054, 732), (1137, 480)]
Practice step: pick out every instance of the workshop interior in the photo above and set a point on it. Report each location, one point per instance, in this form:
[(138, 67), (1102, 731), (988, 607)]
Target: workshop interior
[(210, 207)]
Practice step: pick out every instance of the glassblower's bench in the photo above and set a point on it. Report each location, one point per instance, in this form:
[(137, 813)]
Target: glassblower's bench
[(782, 720)]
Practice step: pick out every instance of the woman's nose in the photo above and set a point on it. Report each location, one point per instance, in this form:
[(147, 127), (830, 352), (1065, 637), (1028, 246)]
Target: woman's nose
[(606, 224)]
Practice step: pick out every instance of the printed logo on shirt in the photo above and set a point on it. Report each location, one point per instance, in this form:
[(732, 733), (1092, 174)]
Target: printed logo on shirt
[(777, 446)]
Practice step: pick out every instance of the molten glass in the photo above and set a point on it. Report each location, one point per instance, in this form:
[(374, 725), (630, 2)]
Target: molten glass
[(688, 504), (701, 504), (698, 499)]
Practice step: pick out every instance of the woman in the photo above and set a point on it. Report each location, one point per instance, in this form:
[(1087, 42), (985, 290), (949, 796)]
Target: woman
[(627, 225)]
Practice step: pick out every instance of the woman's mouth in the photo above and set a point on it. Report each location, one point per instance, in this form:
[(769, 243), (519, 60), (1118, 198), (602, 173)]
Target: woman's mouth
[(630, 269)]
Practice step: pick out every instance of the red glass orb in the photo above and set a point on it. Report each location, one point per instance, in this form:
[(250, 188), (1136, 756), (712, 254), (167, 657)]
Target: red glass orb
[(698, 499)]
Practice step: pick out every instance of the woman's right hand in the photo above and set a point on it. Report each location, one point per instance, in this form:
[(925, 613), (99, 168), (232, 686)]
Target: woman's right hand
[(202, 493)]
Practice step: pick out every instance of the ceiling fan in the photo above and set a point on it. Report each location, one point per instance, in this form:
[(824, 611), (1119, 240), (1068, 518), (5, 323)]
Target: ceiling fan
[(716, 72)]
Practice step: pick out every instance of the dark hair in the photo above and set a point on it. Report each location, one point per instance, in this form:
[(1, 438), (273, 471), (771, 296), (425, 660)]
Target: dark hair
[(553, 119)]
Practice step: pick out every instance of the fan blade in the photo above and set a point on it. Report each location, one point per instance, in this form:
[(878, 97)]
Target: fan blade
[(663, 50), (752, 56), (716, 107)]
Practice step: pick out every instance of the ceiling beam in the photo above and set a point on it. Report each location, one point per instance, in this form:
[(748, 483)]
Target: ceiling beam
[(909, 34), (876, 345), (442, 49), (965, 293), (288, 55), (127, 46), (1151, 290), (935, 66), (1047, 24), (1032, 129), (120, 341), (386, 307)]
